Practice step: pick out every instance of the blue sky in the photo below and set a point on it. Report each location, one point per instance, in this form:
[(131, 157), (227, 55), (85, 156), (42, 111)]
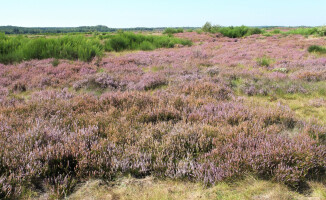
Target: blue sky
[(161, 13)]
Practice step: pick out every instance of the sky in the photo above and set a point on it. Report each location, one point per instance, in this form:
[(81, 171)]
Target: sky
[(161, 13)]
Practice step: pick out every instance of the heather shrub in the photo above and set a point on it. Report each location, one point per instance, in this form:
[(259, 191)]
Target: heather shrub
[(52, 95), (292, 89), (258, 87), (138, 133), (9, 188), (200, 54), (101, 81), (310, 76), (315, 131), (280, 115), (180, 113), (180, 149), (213, 71), (3, 92), (126, 100), (201, 89), (60, 187), (149, 81), (220, 114), (158, 115), (267, 87), (261, 155), (20, 87)]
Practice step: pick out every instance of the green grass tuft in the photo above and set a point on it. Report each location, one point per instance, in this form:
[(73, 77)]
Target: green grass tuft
[(316, 49)]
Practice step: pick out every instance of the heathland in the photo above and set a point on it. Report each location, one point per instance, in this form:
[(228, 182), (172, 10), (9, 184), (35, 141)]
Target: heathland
[(211, 113)]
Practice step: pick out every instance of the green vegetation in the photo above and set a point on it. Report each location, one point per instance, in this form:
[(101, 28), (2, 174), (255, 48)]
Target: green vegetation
[(276, 31), (317, 49), (55, 62), (81, 29), (56, 30), (237, 32), (321, 31), (309, 107), (242, 31), (78, 47), (301, 31), (16, 49), (199, 31), (173, 30), (264, 61), (232, 32), (305, 31), (131, 41)]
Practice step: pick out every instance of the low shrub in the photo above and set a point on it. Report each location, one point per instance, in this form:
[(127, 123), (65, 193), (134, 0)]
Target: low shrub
[(98, 81), (139, 133), (149, 81), (117, 44), (316, 49), (199, 31), (130, 41), (200, 89), (276, 31), (301, 31), (207, 27), (311, 76), (265, 87), (173, 30), (281, 70), (261, 154), (55, 62), (321, 31), (232, 32), (146, 46), (60, 187)]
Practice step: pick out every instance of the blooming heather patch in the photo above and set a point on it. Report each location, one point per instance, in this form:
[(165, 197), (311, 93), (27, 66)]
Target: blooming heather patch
[(182, 113)]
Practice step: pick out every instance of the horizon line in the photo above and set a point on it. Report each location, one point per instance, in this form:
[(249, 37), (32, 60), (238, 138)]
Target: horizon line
[(155, 27)]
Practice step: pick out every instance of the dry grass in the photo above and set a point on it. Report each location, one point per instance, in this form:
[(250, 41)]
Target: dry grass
[(306, 107), (152, 189)]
